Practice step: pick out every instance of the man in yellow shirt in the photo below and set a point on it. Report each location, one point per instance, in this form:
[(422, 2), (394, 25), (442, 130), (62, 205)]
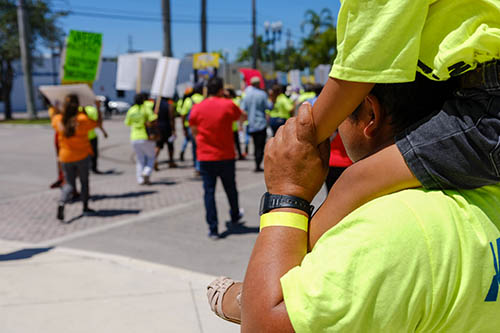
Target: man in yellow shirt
[(416, 260)]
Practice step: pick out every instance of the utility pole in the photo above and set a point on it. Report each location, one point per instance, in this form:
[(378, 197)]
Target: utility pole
[(167, 32), (23, 27), (254, 34), (203, 25)]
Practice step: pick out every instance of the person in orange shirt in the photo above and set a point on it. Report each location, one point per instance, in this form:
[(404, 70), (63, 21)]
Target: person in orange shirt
[(72, 129)]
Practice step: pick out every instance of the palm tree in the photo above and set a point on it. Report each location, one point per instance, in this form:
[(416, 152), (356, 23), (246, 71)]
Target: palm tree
[(319, 46), (317, 22)]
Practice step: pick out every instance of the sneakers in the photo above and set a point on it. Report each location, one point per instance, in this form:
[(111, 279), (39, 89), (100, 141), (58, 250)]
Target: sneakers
[(60, 212), (146, 180), (58, 183), (88, 212), (236, 221), (213, 235)]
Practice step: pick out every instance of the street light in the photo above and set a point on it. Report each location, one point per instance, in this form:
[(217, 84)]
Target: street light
[(276, 29)]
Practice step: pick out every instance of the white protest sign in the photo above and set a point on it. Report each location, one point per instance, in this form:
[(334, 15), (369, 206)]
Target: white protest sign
[(294, 78), (57, 94), (126, 74), (321, 73), (134, 66), (165, 78), (148, 70)]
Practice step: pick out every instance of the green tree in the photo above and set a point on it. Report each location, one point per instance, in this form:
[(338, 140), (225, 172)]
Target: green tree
[(319, 46), (44, 31), (317, 22), (263, 51)]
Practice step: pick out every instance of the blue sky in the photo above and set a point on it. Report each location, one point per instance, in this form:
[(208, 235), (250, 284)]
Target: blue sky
[(231, 28)]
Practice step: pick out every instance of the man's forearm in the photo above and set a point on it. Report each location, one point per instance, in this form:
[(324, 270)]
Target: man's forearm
[(276, 251)]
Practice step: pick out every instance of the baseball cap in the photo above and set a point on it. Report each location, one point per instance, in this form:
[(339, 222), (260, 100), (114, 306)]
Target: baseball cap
[(255, 79)]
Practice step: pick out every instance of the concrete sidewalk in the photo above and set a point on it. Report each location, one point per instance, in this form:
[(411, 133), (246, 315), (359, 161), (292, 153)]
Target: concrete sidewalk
[(63, 290)]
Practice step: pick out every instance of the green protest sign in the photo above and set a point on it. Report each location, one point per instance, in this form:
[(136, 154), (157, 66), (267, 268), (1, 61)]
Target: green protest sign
[(83, 52)]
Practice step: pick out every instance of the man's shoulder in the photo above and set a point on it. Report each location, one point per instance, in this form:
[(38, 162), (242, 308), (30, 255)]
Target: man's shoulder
[(431, 207)]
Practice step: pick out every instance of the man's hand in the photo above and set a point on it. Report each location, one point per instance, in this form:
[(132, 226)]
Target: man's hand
[(293, 164)]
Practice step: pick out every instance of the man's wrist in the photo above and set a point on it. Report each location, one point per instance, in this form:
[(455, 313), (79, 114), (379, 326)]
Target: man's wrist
[(271, 202)]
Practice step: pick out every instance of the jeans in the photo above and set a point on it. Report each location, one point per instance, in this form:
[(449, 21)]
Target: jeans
[(210, 170), (276, 123), (192, 139), (259, 142), (71, 170), (93, 143), (145, 158), (458, 147), (236, 136)]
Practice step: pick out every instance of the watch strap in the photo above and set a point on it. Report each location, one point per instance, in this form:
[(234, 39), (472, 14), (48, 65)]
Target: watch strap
[(272, 201)]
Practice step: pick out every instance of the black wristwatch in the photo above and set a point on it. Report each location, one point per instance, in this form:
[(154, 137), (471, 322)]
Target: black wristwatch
[(272, 201)]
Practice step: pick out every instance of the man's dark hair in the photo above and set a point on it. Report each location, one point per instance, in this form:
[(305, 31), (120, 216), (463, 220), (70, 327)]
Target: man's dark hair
[(409, 102), (198, 88), (214, 85), (231, 93)]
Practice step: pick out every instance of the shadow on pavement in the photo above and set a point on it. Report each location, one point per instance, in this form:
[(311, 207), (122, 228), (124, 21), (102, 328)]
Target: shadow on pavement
[(106, 213), (24, 254), (109, 172), (163, 182), (238, 229), (98, 197)]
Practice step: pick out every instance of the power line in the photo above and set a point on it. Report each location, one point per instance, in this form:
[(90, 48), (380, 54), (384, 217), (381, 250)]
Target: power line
[(144, 17), (151, 18), (146, 13)]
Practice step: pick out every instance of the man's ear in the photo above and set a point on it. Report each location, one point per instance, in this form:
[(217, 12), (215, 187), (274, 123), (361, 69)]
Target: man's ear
[(376, 114)]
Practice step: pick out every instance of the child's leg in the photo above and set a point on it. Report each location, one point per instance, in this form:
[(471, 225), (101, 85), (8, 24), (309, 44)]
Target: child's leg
[(458, 147), (379, 174)]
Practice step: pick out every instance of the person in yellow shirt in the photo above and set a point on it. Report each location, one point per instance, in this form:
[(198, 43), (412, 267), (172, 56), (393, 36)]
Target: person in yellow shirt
[(187, 106), (449, 41), (72, 127), (137, 118), (282, 108), (416, 260)]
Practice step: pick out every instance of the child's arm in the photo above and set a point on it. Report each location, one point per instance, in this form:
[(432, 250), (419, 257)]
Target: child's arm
[(379, 174), (337, 101)]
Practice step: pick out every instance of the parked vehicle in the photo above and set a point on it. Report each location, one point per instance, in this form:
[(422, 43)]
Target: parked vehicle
[(118, 107)]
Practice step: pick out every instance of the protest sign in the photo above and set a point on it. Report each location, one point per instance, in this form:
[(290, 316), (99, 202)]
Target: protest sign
[(321, 73), (205, 60), (56, 94), (294, 78), (136, 71), (82, 57), (165, 78)]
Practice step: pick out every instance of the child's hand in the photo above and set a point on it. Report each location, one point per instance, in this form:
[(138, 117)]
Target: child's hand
[(293, 163)]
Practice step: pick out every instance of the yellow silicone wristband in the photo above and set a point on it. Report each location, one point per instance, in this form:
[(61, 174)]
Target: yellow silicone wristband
[(284, 219)]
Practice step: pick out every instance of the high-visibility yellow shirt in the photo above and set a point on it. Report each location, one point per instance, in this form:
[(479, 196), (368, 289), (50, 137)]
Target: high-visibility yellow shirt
[(387, 41), (416, 260)]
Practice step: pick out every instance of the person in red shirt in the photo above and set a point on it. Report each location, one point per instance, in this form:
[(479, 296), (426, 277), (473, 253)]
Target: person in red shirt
[(211, 123), (339, 161)]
